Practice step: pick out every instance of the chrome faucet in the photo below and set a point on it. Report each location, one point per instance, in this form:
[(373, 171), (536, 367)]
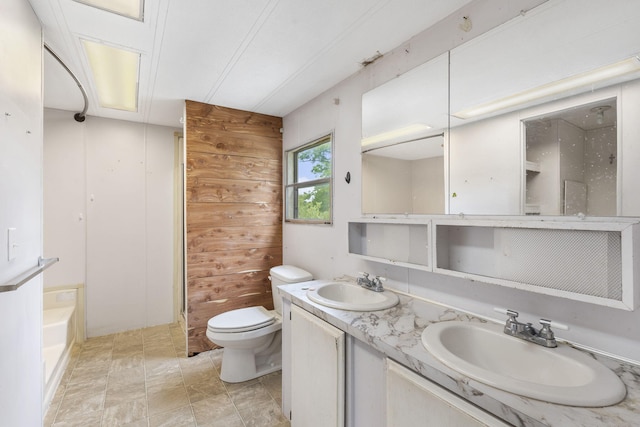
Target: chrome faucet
[(525, 331), (374, 284)]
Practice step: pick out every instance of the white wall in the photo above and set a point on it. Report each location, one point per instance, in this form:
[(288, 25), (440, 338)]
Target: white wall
[(397, 186), (21, 371), (601, 171), (486, 157), (388, 186), (427, 179), (543, 188), (109, 217), (323, 250)]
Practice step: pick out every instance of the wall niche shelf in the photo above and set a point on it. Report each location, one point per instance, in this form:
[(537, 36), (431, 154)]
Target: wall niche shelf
[(532, 166), (402, 242), (592, 260)]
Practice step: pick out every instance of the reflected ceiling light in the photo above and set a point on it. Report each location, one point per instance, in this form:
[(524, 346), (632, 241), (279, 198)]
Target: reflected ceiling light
[(129, 8), (411, 130), (599, 111), (115, 73), (584, 79)]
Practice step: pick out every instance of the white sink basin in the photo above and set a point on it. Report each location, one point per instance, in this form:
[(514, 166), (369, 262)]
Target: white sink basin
[(347, 296), (561, 375)]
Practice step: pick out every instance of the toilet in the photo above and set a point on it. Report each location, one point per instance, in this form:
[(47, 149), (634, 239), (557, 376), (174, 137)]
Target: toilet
[(252, 336)]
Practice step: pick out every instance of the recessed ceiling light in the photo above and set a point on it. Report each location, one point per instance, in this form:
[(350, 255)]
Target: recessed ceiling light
[(115, 73), (129, 8)]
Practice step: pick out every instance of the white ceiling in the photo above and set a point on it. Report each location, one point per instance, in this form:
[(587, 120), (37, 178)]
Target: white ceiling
[(266, 56)]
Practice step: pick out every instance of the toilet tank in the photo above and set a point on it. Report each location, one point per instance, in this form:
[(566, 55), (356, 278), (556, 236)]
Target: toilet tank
[(282, 275)]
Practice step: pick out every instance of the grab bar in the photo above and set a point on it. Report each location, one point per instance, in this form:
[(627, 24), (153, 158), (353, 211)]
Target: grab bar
[(20, 280)]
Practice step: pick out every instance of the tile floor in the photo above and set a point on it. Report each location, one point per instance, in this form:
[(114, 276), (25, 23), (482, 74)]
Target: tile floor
[(142, 378)]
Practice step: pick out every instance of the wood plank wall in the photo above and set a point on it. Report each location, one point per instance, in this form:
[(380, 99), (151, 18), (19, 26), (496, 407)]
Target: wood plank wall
[(234, 212)]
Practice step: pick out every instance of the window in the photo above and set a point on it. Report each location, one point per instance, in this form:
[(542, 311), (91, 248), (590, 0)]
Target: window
[(308, 189)]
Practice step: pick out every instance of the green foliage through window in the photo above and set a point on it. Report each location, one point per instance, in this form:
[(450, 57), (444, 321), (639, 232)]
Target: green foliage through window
[(308, 188)]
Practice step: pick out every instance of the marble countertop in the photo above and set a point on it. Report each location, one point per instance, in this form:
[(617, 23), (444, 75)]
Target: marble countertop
[(396, 333)]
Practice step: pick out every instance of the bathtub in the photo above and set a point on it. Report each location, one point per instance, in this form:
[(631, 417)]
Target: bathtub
[(59, 325)]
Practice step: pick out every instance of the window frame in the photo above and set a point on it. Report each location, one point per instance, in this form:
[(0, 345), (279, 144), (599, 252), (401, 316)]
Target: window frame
[(291, 183)]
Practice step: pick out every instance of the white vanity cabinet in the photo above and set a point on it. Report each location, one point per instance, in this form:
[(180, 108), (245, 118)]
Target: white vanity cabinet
[(413, 400), (365, 385), (332, 379), (362, 368), (317, 371)]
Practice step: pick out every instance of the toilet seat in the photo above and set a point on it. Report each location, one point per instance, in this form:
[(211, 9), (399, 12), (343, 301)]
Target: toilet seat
[(241, 320)]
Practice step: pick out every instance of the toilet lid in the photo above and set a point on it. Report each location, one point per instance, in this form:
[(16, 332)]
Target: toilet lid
[(241, 320)]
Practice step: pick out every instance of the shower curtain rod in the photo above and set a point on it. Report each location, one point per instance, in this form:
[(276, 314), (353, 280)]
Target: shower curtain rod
[(79, 117)]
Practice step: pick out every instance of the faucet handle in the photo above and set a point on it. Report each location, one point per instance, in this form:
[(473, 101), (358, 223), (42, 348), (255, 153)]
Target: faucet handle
[(511, 325), (546, 331), (512, 314), (547, 334), (377, 282)]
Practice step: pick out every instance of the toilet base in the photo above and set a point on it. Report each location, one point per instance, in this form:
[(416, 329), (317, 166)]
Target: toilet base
[(239, 365)]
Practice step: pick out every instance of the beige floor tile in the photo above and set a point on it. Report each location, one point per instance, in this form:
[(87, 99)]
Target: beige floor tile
[(56, 399), (74, 405), (166, 399), (142, 378), (217, 411), (159, 353), (209, 385), (273, 384), (126, 376), (50, 416), (234, 387), (143, 422), (161, 366), (73, 359), (84, 390), (156, 333), (125, 412), (216, 358), (202, 359), (159, 382), (120, 393), (87, 419), (182, 417), (133, 333), (196, 371), (262, 414), (256, 406), (128, 346), (250, 396), (132, 360), (87, 377), (103, 341)]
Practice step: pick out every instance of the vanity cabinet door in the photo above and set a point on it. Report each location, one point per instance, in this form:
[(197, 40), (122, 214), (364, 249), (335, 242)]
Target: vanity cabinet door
[(365, 385), (413, 400), (317, 371)]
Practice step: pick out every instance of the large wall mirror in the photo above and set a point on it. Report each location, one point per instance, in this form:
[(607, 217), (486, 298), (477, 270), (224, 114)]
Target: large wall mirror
[(403, 142), (542, 114), (543, 118)]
